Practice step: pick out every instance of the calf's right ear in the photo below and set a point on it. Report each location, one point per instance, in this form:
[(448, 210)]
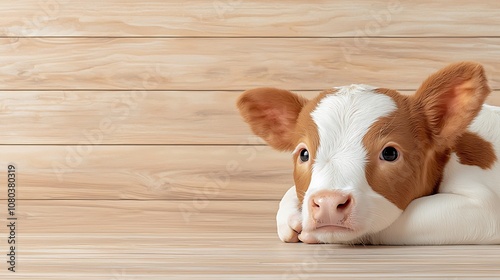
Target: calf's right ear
[(272, 115)]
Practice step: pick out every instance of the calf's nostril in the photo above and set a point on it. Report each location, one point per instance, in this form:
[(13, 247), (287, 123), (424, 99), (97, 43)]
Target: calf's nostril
[(344, 205), (315, 204)]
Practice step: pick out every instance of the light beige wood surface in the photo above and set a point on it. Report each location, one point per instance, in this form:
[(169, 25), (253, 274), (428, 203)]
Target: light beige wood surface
[(133, 163), (149, 172), (233, 63), (284, 18)]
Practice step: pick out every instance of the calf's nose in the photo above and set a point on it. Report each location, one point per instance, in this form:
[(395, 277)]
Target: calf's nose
[(330, 208)]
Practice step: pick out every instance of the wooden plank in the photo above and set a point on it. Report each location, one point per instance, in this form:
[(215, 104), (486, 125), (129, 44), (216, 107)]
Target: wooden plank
[(229, 64), (250, 18), (228, 240), (134, 118), (155, 218), (193, 173), (146, 118)]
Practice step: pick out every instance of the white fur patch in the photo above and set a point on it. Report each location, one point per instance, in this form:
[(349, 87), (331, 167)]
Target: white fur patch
[(343, 118)]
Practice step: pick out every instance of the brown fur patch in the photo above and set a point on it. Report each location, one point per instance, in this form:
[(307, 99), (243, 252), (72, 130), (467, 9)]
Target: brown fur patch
[(306, 132), (471, 149), (417, 172)]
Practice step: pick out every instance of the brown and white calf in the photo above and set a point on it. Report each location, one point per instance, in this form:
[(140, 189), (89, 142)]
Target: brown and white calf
[(374, 166)]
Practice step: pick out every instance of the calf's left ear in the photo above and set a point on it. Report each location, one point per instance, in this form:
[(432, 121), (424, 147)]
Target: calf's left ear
[(451, 99)]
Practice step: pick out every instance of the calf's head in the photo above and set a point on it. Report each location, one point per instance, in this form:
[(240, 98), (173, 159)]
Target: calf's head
[(362, 154)]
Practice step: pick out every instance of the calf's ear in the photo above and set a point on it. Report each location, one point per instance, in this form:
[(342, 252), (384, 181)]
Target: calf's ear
[(272, 115), (451, 98)]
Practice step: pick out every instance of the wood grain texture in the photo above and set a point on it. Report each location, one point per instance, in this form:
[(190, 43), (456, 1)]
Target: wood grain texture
[(226, 240), (191, 117), (233, 64), (193, 173), (249, 18), (134, 118)]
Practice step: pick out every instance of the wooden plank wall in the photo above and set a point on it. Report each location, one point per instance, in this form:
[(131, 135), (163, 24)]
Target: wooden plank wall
[(132, 160)]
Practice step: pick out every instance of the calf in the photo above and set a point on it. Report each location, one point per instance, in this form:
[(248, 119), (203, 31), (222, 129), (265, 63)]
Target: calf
[(373, 166)]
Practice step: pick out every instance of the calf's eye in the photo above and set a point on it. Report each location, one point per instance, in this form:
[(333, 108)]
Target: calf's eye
[(389, 154), (304, 155)]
